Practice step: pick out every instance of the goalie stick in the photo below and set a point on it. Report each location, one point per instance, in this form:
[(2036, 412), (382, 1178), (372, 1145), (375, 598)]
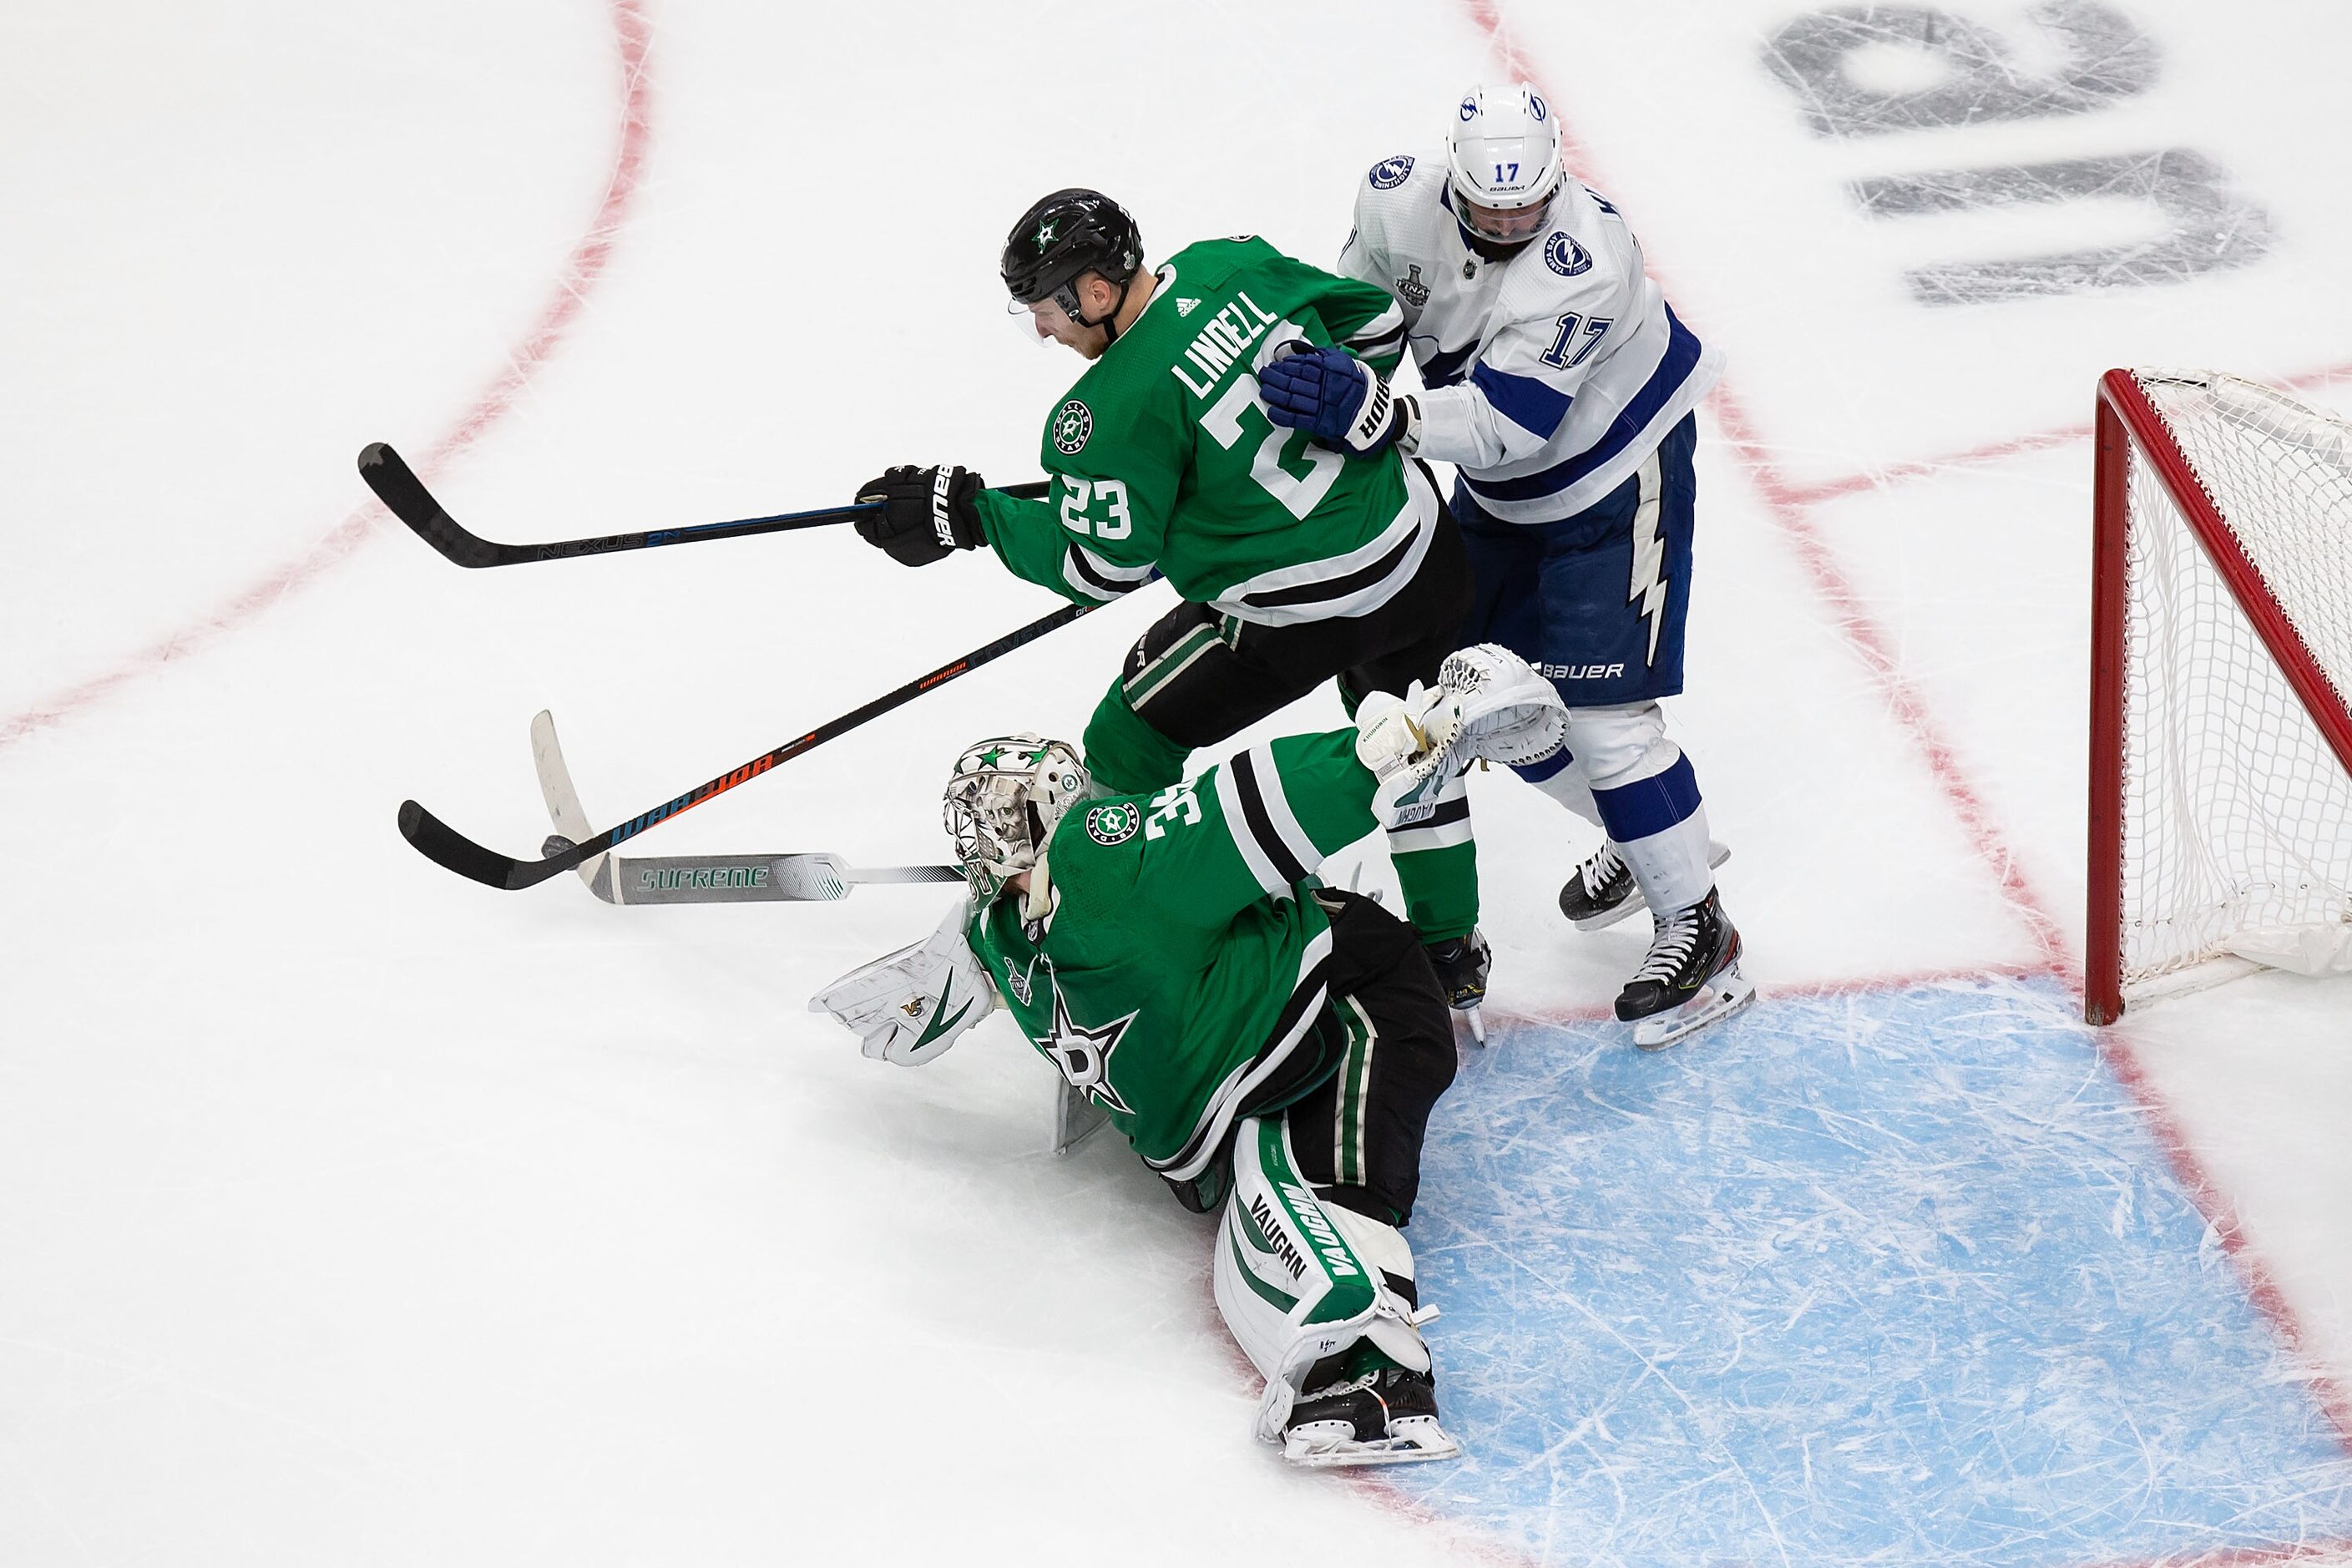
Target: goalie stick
[(790, 877), (452, 851), (396, 485), (696, 879)]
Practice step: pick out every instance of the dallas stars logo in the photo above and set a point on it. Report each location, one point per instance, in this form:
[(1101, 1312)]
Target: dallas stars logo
[(1044, 235), (1083, 1054), (1113, 824), (1073, 423)]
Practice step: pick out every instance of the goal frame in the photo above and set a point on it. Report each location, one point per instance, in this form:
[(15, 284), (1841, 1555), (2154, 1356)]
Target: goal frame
[(2127, 420)]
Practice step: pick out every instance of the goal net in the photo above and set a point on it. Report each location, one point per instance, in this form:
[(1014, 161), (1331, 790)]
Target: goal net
[(2221, 665)]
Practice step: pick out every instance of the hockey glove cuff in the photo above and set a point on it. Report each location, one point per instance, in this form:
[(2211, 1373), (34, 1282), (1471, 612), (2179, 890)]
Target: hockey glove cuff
[(1488, 705), (1338, 400), (927, 514), (911, 1005)]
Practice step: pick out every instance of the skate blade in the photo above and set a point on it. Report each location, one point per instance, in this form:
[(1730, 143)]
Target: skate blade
[(1632, 903), (1413, 1448), (1729, 993), (1477, 1018)]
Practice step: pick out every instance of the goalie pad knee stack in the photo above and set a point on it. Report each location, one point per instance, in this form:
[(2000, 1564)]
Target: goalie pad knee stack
[(1311, 1292)]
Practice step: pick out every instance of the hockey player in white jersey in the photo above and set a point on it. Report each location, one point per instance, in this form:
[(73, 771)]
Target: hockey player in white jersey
[(1561, 384)]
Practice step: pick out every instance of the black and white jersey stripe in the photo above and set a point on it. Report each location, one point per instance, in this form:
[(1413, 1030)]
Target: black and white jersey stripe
[(1384, 334), (1096, 578), (1266, 831)]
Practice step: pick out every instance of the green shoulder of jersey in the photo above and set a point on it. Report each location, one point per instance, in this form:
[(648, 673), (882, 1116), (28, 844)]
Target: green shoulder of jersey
[(1162, 455), (1183, 953)]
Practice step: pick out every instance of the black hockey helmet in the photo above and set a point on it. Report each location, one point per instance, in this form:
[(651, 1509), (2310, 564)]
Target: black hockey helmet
[(1071, 232)]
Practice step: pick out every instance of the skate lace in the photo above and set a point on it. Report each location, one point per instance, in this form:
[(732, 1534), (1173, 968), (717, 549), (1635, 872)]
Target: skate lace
[(1671, 947), (1600, 869)]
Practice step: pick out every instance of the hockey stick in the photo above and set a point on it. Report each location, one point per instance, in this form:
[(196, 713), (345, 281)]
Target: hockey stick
[(452, 851), (396, 485), (696, 879), (812, 876)]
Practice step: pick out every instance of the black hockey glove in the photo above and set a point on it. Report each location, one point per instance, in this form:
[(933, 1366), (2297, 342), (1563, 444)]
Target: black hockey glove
[(926, 513)]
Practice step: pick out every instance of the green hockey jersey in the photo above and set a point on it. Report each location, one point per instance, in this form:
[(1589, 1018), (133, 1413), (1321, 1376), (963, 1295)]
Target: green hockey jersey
[(1181, 964), (1162, 456)]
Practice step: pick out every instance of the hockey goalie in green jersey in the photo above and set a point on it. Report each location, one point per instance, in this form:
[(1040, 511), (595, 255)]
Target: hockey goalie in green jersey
[(1297, 564), (1270, 1046)]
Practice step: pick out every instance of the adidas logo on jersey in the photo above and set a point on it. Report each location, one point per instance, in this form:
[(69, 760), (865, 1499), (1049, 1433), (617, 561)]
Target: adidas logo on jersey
[(1186, 307)]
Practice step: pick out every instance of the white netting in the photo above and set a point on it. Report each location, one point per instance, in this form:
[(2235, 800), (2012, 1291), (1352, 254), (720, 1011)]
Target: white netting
[(2237, 813)]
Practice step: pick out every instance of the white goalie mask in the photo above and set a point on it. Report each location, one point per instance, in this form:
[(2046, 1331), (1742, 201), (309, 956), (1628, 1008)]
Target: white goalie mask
[(1002, 803), (1503, 160)]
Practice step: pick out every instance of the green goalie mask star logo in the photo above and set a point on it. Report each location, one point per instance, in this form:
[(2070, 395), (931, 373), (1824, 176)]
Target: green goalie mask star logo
[(1083, 1054)]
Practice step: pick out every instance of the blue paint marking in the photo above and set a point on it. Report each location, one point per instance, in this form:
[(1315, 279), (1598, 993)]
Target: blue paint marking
[(1898, 1279)]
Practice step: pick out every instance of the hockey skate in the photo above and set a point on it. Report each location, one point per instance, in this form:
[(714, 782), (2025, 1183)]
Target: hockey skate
[(1386, 1416), (1461, 965), (1602, 890), (1690, 980)]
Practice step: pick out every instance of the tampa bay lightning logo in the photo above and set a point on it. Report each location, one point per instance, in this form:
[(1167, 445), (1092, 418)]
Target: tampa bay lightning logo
[(1565, 257), (1469, 109), (1537, 105), (1389, 172)]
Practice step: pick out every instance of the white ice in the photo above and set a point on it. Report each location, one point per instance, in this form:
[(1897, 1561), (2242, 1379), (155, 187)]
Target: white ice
[(354, 1214)]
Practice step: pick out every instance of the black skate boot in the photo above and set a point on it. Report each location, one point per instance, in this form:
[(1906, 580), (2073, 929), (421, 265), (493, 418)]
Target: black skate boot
[(1602, 890), (1462, 963), (1384, 1415), (1690, 979)]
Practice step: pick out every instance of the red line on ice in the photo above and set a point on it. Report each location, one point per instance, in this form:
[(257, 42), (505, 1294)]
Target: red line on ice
[(1862, 633), (581, 273), (1789, 503)]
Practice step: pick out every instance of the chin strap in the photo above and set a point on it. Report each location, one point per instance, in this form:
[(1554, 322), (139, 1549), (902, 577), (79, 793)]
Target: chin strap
[(1109, 325)]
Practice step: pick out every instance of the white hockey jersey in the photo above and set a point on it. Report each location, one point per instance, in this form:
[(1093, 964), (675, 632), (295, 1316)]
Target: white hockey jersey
[(1553, 374)]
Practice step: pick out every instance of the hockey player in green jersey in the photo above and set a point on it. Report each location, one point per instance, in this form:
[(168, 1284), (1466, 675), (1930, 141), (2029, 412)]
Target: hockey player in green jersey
[(1267, 1045), (1296, 566)]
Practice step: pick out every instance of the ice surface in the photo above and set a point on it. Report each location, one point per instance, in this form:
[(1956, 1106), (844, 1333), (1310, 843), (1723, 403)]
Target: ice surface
[(351, 1214)]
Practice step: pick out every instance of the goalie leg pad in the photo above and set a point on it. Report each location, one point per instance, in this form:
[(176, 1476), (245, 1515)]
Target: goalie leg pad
[(1291, 1286)]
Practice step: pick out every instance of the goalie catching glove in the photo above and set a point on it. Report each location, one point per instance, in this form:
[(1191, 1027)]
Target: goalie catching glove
[(911, 1005), (1488, 705), (1339, 400), (927, 514)]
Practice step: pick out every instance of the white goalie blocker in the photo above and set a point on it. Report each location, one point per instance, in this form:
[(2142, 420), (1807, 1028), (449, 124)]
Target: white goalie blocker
[(910, 1005), (1297, 1281)]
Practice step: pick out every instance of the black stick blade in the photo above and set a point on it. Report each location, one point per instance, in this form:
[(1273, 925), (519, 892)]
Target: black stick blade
[(396, 485), (453, 851)]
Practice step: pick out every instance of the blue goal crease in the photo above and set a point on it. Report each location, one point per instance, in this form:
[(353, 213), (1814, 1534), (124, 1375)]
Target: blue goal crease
[(1896, 1278)]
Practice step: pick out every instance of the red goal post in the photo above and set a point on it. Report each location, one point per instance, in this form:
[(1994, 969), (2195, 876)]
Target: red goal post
[(2221, 778)]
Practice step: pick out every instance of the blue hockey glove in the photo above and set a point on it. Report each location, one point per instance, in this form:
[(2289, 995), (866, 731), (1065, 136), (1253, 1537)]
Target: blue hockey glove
[(1338, 400)]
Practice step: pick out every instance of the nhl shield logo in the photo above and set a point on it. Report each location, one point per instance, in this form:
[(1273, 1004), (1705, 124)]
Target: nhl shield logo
[(1115, 822), (1072, 425)]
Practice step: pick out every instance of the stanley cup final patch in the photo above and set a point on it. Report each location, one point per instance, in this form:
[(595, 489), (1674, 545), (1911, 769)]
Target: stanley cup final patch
[(1114, 823), (1072, 424)]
